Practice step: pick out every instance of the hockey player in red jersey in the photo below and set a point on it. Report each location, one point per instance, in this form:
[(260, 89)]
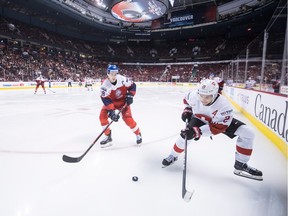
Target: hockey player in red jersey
[(40, 81), (116, 91), (209, 114)]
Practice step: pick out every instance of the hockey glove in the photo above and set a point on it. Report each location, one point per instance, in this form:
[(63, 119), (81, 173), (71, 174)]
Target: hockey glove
[(187, 114), (129, 99), (192, 133), (114, 117)]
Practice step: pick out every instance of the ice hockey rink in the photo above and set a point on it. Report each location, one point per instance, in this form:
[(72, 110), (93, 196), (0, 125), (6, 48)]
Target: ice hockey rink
[(36, 130)]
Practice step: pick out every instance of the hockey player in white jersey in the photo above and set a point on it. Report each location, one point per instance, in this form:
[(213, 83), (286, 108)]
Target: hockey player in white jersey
[(208, 114), (250, 83), (89, 83)]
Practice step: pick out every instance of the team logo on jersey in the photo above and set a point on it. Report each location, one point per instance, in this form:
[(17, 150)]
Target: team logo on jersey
[(118, 93)]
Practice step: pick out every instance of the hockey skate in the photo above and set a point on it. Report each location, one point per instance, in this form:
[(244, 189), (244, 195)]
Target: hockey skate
[(169, 160), (139, 139), (107, 141), (243, 170)]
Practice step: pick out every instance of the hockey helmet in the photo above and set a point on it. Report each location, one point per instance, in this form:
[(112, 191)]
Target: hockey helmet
[(112, 68), (208, 87), (211, 76)]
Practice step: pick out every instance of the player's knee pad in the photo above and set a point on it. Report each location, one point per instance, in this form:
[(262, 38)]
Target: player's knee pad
[(129, 121), (245, 132)]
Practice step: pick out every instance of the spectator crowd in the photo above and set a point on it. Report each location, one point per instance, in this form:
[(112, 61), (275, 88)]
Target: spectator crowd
[(25, 50)]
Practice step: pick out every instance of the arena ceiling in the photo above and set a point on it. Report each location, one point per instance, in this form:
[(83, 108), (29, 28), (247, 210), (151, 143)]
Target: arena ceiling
[(141, 19)]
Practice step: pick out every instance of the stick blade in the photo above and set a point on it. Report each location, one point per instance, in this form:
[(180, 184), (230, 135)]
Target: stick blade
[(188, 195), (69, 159)]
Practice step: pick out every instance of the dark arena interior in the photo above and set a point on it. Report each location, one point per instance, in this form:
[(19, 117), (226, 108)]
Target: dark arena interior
[(150, 40)]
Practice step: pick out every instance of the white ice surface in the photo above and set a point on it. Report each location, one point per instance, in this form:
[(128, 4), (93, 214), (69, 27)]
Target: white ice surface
[(36, 130)]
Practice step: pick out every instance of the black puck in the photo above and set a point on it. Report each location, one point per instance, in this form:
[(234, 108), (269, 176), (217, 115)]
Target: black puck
[(135, 178)]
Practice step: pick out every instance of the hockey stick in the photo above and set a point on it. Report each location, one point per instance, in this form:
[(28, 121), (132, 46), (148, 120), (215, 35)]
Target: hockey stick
[(51, 90), (69, 159), (186, 195)]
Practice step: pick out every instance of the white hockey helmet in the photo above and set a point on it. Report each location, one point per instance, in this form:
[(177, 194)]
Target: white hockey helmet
[(208, 87)]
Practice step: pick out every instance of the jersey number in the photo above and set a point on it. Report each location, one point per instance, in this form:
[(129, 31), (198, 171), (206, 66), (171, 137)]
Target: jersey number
[(226, 119)]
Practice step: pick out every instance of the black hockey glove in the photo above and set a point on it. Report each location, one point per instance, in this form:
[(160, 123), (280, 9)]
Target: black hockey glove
[(114, 117), (129, 99), (192, 133), (187, 114)]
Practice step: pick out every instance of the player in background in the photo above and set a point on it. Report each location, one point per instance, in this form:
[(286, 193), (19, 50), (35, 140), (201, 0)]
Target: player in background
[(219, 80), (276, 83), (89, 84), (250, 83), (116, 91), (208, 114), (40, 81), (69, 81), (229, 81), (79, 82)]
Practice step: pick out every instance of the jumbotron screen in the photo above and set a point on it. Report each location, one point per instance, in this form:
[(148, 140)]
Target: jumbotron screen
[(138, 10), (189, 16)]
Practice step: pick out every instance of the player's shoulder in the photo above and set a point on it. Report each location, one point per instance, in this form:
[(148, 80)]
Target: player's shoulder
[(122, 78), (223, 101), (105, 83), (218, 79), (191, 94)]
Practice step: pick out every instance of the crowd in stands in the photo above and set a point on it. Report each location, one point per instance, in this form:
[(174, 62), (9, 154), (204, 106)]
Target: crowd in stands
[(24, 50)]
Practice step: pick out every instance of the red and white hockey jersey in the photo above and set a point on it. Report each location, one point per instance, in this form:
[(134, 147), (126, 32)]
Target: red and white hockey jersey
[(217, 116), (114, 95), (40, 79)]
